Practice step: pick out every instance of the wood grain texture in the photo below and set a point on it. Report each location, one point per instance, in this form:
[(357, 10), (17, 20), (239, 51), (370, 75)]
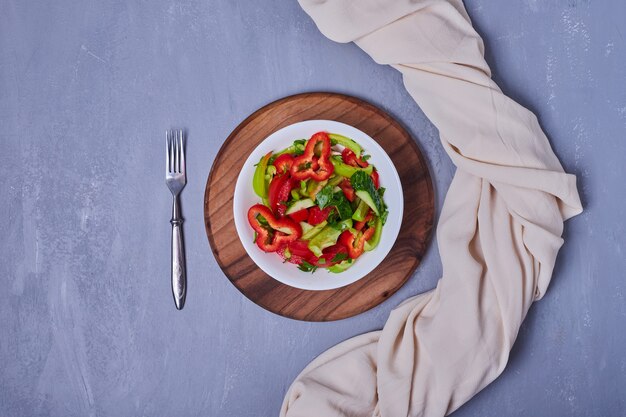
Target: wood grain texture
[(369, 291)]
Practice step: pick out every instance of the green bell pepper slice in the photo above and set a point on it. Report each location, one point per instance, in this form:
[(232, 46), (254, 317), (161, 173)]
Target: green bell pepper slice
[(346, 170), (296, 149), (375, 240), (258, 180), (341, 266), (335, 180), (347, 142)]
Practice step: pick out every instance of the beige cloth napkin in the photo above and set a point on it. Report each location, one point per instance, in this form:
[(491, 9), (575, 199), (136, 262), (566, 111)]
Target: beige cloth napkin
[(499, 230)]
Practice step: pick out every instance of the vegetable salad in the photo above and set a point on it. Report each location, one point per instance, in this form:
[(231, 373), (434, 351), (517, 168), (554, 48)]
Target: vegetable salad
[(322, 203)]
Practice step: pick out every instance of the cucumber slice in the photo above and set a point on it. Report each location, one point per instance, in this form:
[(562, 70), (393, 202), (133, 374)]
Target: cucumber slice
[(300, 205), (364, 187), (367, 198), (325, 238), (314, 231), (306, 227), (361, 211)]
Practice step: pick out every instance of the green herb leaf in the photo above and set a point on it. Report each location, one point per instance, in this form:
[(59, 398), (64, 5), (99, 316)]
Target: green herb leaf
[(340, 256), (327, 197), (383, 216), (385, 212), (333, 218), (298, 147), (307, 267), (341, 225), (255, 236), (340, 201), (324, 197), (366, 157)]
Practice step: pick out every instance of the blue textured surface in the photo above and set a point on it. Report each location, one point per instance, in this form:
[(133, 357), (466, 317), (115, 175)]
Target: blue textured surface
[(87, 322)]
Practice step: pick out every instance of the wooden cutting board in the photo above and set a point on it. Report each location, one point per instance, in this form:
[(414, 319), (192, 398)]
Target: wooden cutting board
[(373, 289)]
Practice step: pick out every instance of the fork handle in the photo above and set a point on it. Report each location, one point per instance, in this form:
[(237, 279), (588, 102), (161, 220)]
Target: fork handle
[(179, 271)]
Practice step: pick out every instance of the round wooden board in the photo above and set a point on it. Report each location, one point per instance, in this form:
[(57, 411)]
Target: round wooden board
[(369, 291)]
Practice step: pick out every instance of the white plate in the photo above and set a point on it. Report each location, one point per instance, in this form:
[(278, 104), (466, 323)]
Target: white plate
[(288, 273)]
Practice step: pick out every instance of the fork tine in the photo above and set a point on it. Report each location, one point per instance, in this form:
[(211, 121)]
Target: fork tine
[(172, 160), (182, 152), (171, 151), (172, 154), (177, 154), (167, 151)]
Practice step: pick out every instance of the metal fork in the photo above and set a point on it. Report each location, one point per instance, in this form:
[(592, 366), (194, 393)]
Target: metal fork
[(175, 178)]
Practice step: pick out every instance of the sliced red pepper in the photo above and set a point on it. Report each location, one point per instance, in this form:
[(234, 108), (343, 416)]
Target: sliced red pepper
[(282, 252), (355, 243), (347, 189), (300, 215), (315, 165), (297, 251), (283, 163), (310, 165), (375, 179), (318, 215), (301, 248), (361, 225), (278, 194), (279, 233), (330, 253), (350, 158), (285, 252)]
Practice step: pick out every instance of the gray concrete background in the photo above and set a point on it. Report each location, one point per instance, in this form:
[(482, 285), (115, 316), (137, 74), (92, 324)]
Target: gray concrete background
[(87, 322)]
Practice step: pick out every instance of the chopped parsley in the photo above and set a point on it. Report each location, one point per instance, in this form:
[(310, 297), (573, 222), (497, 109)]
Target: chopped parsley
[(327, 197), (307, 267), (340, 256), (324, 197)]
